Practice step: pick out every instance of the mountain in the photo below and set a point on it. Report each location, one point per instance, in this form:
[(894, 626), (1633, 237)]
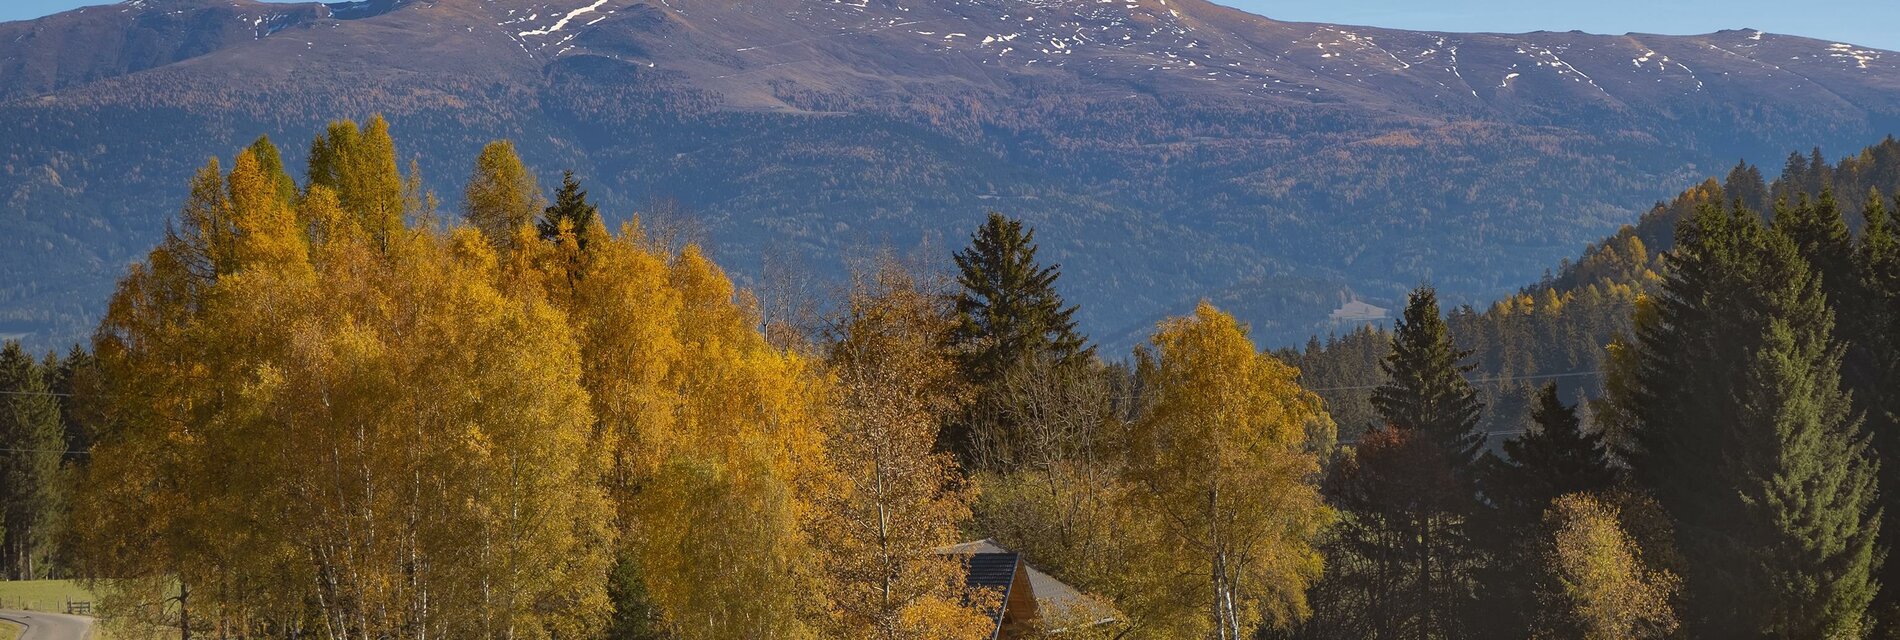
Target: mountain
[(1167, 150)]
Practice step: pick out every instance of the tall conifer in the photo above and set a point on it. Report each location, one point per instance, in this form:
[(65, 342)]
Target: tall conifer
[(1872, 369), (31, 447), (1551, 459), (570, 209), (1748, 440), (1434, 413), (1425, 387), (1008, 310), (1009, 316), (1820, 235)]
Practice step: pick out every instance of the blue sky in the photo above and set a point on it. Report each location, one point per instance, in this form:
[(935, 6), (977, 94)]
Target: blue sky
[(1864, 22)]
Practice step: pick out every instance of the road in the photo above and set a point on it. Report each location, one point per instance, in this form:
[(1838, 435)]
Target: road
[(50, 626)]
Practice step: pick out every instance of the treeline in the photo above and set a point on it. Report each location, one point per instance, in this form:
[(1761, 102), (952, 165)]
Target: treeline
[(1726, 400), (322, 408), (1558, 329)]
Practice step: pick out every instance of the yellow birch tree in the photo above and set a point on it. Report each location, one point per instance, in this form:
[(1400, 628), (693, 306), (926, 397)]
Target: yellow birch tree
[(898, 498), (1223, 476)]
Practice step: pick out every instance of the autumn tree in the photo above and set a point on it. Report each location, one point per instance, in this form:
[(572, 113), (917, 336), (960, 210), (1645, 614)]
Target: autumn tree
[(1063, 500), (716, 438), (898, 498), (1605, 588), (358, 164), (1219, 461), (324, 425), (502, 195)]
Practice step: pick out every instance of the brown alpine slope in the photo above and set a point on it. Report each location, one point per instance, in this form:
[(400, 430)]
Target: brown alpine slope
[(1167, 149)]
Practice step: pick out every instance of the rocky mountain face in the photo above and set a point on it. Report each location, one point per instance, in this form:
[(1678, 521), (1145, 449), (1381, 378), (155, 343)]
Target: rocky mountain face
[(1168, 150)]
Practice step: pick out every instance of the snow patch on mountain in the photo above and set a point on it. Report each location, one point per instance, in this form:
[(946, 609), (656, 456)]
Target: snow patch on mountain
[(562, 23)]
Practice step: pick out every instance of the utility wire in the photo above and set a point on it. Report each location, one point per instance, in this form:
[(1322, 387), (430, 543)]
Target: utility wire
[(81, 453), (1482, 380), (49, 393)]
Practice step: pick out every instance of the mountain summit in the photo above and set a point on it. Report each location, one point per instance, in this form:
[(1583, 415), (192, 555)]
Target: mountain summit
[(1269, 165)]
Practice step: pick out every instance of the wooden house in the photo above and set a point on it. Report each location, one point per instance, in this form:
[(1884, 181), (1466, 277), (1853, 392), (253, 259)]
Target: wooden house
[(1031, 600)]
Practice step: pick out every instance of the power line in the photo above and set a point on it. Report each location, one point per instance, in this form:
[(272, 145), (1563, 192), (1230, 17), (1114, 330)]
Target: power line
[(1482, 380), (1487, 435), (62, 452), (47, 393)]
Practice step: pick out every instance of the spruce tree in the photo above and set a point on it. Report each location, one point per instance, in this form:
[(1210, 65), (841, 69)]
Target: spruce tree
[(570, 209), (1426, 400), (1425, 388), (79, 386), (31, 447), (1008, 316), (1872, 370), (1745, 183), (1008, 310), (1748, 440), (1821, 237), (1554, 457)]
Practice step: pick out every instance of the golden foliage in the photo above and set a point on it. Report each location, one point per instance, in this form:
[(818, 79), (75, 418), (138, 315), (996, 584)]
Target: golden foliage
[(1607, 588), (897, 499), (1223, 476), (332, 427)]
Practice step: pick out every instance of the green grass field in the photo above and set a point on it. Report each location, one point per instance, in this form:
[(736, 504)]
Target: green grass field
[(9, 631), (42, 595)]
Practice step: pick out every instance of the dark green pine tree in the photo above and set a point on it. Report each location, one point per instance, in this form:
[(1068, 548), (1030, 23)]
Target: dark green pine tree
[(79, 384), (1745, 183), (1820, 235), (1427, 399), (570, 209), (1554, 457), (1794, 180), (31, 448), (1008, 311), (1009, 319), (1749, 441), (1425, 387), (1872, 370)]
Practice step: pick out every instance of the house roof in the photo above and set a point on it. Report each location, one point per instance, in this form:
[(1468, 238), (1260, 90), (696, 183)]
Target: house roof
[(991, 569), (1057, 601)]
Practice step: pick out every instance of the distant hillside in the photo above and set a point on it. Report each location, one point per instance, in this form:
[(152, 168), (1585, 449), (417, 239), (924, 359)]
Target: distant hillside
[(1167, 150), (1557, 330)]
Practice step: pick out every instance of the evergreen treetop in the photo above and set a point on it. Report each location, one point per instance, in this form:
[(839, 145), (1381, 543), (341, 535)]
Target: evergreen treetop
[(1425, 388), (1749, 441), (570, 210), (1008, 311), (1553, 458)]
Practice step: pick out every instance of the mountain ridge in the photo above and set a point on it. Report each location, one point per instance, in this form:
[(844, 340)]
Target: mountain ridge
[(1170, 149)]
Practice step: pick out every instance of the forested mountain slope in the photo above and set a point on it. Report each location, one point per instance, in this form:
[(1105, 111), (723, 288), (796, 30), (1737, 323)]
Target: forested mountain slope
[(1558, 330), (1168, 150)]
